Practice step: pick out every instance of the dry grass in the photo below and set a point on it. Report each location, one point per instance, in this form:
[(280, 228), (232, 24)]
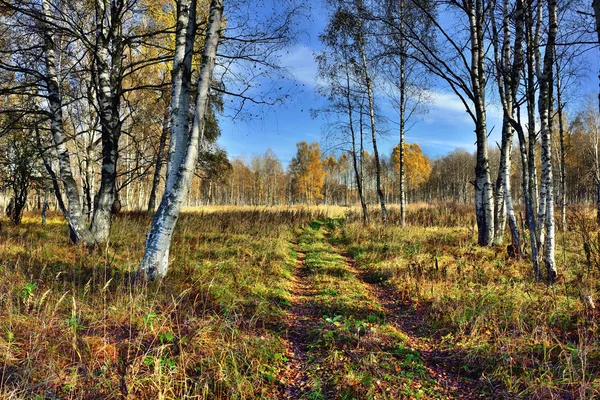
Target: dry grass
[(72, 325), (539, 341)]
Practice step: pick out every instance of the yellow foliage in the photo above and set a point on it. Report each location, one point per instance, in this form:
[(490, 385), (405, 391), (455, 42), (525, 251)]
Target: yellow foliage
[(417, 165)]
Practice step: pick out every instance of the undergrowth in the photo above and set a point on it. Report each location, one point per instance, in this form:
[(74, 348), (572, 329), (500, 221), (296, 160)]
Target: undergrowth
[(73, 326), (538, 341)]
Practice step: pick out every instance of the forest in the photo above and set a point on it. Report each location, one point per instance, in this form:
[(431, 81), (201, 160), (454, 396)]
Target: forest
[(140, 260)]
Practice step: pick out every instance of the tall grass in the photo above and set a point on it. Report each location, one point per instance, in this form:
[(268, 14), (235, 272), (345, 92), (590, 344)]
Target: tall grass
[(539, 341), (73, 326)]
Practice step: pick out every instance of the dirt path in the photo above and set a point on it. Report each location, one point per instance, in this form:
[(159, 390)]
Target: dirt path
[(393, 355), (295, 380), (439, 363)]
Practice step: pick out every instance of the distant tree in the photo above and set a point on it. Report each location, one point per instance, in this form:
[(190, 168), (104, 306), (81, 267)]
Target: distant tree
[(417, 164), (307, 173)]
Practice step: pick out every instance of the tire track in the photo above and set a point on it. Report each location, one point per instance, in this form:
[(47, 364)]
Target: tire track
[(401, 316)]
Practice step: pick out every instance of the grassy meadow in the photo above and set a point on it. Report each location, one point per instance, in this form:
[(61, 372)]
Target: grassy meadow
[(299, 303)]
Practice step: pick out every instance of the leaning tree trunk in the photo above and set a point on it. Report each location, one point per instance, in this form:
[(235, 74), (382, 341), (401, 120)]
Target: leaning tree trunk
[(155, 261), (508, 78), (74, 213), (181, 89), (544, 107)]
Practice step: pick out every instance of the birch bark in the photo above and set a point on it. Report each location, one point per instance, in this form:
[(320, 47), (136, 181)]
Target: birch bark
[(166, 128), (484, 203), (109, 55), (75, 215), (544, 107), (155, 261), (181, 89)]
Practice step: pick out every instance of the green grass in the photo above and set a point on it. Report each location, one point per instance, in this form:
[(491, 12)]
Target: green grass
[(360, 355)]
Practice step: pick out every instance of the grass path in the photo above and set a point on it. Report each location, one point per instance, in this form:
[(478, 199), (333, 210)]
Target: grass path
[(295, 380), (347, 337), (439, 363)]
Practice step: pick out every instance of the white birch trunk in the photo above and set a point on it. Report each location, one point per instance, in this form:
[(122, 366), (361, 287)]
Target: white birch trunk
[(109, 59), (180, 95), (484, 197), (544, 107), (155, 261), (75, 215)]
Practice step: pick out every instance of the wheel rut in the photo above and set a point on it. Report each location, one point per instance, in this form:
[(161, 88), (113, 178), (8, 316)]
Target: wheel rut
[(441, 365), (295, 381)]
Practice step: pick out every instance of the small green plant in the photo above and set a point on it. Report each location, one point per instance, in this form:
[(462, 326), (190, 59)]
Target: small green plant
[(333, 320), (167, 337), (150, 318), (27, 292)]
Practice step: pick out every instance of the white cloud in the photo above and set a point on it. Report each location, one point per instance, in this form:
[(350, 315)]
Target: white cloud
[(300, 61)]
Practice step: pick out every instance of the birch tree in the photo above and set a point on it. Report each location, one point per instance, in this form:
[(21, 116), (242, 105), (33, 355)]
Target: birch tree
[(338, 70), (155, 261), (458, 59), (405, 74), (351, 19), (508, 73), (544, 108)]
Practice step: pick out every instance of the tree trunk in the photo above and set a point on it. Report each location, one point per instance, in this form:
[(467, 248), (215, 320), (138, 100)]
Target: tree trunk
[(182, 84), (484, 203), (159, 162), (74, 213), (373, 134), (544, 107), (596, 5), (155, 261), (532, 43), (357, 173), (402, 88), (561, 130), (109, 71)]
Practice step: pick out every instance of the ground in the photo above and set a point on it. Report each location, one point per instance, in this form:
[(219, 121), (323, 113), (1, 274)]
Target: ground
[(293, 303)]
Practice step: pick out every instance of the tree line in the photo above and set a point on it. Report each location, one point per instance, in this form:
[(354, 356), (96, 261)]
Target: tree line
[(108, 100)]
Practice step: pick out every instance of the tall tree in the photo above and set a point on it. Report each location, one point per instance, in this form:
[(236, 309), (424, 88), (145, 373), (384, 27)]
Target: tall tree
[(544, 108), (337, 68), (403, 72), (155, 262), (459, 60), (509, 66), (350, 20)]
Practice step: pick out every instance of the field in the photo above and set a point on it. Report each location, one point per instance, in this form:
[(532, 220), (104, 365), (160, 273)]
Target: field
[(298, 303)]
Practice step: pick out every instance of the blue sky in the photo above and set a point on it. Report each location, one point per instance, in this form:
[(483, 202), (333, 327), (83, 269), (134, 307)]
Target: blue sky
[(445, 126)]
